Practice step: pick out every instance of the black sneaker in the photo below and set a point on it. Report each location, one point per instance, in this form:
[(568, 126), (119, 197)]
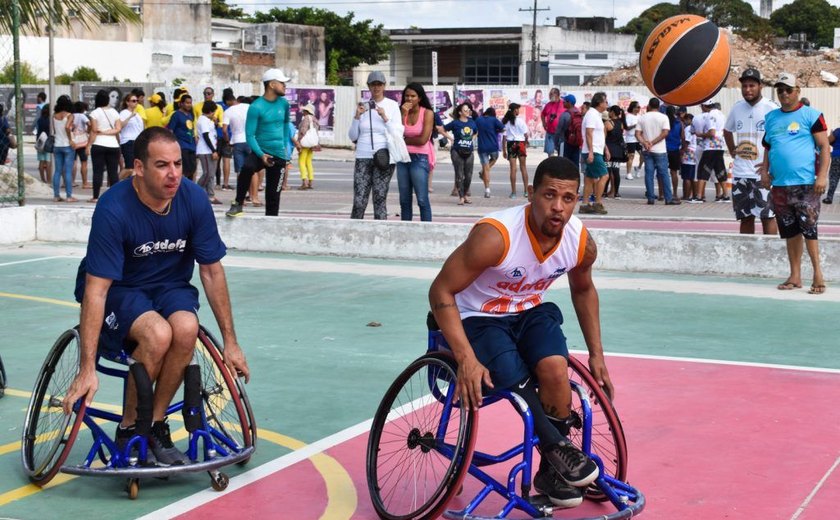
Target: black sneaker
[(572, 465), (121, 439), (160, 443), (556, 489), (235, 210)]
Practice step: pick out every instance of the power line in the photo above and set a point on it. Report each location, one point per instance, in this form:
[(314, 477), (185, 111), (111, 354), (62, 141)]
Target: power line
[(534, 39)]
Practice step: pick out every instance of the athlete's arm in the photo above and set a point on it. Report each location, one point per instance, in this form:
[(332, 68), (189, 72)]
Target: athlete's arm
[(482, 249), (215, 287), (86, 382), (585, 300), (730, 142)]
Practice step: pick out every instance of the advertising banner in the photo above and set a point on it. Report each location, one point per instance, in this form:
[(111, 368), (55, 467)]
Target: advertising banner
[(322, 101)]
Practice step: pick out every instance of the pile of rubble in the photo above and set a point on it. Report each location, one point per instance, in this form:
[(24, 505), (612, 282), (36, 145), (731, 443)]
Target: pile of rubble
[(812, 69)]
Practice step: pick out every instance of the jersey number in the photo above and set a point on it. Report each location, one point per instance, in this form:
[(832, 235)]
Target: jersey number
[(506, 305)]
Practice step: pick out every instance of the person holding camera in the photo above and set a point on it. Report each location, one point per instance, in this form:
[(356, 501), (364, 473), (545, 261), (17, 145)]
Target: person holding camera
[(369, 130)]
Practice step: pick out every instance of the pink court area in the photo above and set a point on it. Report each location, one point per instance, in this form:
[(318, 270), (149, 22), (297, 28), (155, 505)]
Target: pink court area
[(705, 440)]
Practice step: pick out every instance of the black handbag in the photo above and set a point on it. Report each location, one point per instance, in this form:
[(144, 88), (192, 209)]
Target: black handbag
[(465, 153), (382, 159)]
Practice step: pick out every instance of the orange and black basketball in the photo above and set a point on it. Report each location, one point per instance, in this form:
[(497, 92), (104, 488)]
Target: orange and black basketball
[(685, 60)]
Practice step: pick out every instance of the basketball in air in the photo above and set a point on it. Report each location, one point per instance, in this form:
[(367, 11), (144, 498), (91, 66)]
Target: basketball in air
[(685, 60)]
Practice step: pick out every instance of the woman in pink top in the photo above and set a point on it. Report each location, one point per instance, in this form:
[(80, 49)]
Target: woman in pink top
[(418, 120)]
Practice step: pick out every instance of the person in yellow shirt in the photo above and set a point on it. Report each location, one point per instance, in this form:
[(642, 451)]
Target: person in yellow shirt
[(172, 107), (208, 96), (141, 107), (154, 114)]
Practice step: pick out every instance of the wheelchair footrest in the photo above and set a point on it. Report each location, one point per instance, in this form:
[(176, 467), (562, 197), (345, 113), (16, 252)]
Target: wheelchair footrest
[(159, 471)]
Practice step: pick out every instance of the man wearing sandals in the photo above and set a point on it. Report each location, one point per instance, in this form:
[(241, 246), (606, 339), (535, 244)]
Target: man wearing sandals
[(146, 236), (797, 176), (488, 302)]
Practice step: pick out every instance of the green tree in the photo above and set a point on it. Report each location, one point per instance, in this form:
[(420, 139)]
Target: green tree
[(34, 13), (349, 42), (816, 18), (737, 15), (28, 76), (643, 24), (220, 9), (81, 73)]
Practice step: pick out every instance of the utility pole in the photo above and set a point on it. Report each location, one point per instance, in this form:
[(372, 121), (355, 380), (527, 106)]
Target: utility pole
[(534, 39)]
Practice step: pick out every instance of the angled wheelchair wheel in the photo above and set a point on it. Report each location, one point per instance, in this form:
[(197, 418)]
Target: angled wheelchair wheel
[(2, 378), (421, 442), (226, 405), (607, 435), (48, 434)]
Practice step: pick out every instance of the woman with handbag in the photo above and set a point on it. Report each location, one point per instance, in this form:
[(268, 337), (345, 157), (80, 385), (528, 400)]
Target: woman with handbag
[(464, 131), (105, 126), (419, 120), (132, 124), (373, 121), (65, 155), (306, 144), (81, 140)]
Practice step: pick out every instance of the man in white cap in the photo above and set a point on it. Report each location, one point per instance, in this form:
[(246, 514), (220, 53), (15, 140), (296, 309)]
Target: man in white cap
[(791, 134), (743, 133), (266, 131)]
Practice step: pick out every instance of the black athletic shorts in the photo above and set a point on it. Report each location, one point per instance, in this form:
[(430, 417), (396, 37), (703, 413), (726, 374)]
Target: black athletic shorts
[(711, 165)]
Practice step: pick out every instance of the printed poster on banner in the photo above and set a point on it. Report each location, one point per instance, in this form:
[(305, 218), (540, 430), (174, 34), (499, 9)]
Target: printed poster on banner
[(531, 101), (115, 94), (322, 101), (475, 97), (440, 99), (30, 106)]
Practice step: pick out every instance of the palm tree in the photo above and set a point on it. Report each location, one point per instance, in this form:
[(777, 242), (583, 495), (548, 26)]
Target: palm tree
[(34, 13)]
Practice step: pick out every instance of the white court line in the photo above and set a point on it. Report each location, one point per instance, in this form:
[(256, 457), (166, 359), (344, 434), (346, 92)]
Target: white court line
[(32, 260), (198, 499), (816, 489), (208, 495)]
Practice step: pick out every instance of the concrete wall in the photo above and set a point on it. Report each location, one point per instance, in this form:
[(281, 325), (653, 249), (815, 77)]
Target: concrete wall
[(618, 250), (297, 49)]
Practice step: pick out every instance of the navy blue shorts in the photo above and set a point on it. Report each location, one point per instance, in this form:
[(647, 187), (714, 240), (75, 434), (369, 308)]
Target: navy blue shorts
[(511, 346), (123, 306)]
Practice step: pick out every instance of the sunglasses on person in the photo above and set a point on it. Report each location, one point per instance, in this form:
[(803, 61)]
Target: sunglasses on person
[(208, 93), (132, 100), (785, 90)]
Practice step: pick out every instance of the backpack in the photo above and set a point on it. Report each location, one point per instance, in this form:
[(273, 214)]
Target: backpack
[(574, 134)]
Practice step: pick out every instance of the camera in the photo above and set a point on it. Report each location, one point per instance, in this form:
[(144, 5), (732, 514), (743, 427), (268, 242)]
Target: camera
[(372, 104)]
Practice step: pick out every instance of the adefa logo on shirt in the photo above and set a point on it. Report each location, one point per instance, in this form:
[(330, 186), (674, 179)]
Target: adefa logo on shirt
[(162, 246)]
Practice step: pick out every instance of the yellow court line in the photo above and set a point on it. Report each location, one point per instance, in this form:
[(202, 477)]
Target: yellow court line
[(342, 497), (39, 299)]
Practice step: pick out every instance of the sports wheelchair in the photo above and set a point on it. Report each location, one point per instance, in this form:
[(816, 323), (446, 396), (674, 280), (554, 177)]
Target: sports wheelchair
[(422, 445), (215, 410)]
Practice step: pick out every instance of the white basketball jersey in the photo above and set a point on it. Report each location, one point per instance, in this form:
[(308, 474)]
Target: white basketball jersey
[(519, 281)]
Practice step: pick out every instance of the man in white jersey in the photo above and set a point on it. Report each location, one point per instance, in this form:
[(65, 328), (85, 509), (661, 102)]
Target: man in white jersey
[(488, 301), (743, 133)]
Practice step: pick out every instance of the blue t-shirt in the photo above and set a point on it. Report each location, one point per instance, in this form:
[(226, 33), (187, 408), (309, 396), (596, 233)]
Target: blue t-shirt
[(835, 146), (788, 136), (137, 248), (673, 142), (488, 130), (463, 132), (183, 126)]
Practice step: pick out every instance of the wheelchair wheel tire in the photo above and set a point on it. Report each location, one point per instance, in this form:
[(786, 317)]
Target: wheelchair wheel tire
[(49, 434), (226, 405), (608, 441), (411, 472)]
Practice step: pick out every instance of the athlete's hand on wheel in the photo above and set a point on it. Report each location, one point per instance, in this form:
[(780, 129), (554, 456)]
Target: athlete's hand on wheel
[(602, 377), (84, 385), (471, 374), (235, 361)]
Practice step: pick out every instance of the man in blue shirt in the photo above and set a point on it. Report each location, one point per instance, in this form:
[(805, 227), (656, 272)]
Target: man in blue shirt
[(146, 235), (182, 124), (798, 177), (266, 131), (489, 129)]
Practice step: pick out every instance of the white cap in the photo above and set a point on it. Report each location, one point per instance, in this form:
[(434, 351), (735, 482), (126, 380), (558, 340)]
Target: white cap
[(275, 75), (710, 101)]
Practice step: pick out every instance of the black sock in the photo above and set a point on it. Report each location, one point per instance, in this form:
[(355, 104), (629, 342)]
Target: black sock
[(548, 434)]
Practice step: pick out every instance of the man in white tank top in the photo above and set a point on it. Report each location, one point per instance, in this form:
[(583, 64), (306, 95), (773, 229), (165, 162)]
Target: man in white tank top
[(488, 301)]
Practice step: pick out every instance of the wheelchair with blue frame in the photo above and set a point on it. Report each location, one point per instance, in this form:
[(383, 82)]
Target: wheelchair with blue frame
[(216, 416), (422, 446)]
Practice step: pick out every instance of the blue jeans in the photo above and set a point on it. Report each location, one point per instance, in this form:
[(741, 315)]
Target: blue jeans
[(656, 164), (240, 152), (414, 176), (65, 157)]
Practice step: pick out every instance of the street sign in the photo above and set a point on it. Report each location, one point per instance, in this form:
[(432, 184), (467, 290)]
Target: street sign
[(434, 68)]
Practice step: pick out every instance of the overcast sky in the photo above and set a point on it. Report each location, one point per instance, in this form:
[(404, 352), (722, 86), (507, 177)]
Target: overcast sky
[(401, 14)]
